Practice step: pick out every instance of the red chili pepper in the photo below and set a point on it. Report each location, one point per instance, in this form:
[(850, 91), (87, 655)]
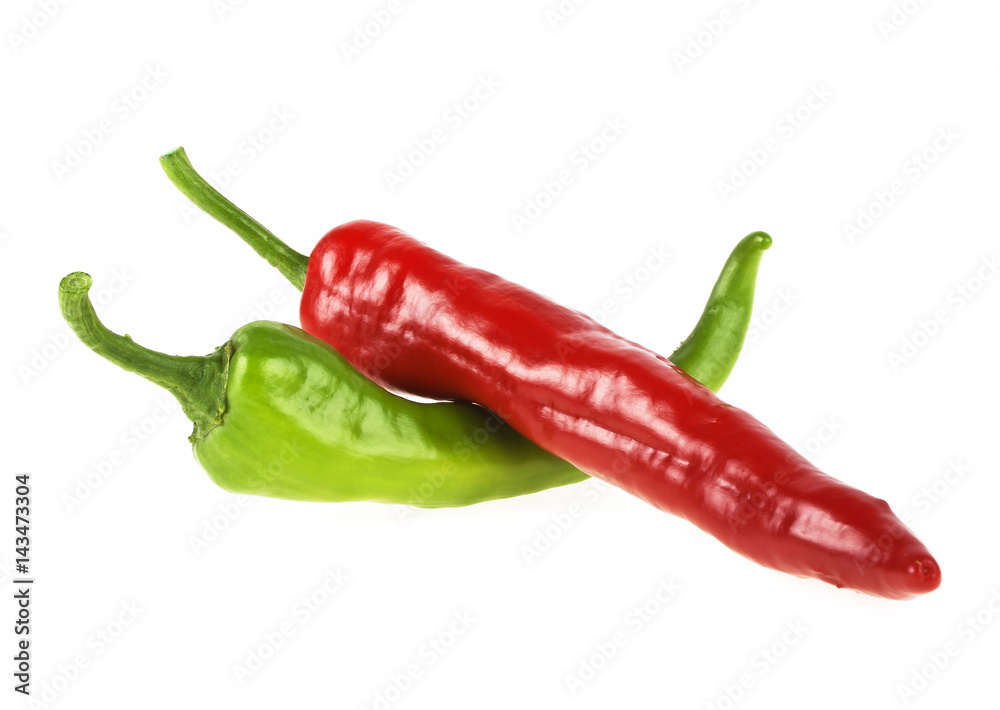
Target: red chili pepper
[(417, 321)]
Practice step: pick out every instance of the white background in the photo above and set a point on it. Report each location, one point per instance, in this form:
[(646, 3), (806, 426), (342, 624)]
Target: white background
[(831, 310)]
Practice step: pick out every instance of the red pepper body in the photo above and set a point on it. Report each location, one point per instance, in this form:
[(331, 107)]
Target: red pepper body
[(417, 321)]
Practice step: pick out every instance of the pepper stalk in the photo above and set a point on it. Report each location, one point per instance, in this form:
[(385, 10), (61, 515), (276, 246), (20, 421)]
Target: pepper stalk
[(198, 382)]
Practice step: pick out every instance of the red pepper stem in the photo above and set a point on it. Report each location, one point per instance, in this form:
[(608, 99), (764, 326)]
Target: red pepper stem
[(198, 382), (289, 262)]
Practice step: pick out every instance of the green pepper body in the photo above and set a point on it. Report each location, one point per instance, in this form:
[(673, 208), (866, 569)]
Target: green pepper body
[(301, 423)]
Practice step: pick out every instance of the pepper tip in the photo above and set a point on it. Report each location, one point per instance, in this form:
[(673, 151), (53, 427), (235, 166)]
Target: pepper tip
[(923, 574), (761, 239)]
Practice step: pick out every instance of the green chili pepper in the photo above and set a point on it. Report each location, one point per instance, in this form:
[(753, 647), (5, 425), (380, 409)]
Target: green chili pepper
[(279, 413)]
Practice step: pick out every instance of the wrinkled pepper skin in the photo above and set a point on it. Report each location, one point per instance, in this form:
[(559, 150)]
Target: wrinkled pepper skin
[(301, 423), (417, 321)]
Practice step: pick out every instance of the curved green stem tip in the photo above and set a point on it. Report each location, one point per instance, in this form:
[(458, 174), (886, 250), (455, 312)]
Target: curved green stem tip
[(198, 382)]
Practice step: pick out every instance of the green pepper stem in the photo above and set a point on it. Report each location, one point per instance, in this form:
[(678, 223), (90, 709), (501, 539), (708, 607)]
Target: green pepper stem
[(198, 382), (289, 262), (726, 317)]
